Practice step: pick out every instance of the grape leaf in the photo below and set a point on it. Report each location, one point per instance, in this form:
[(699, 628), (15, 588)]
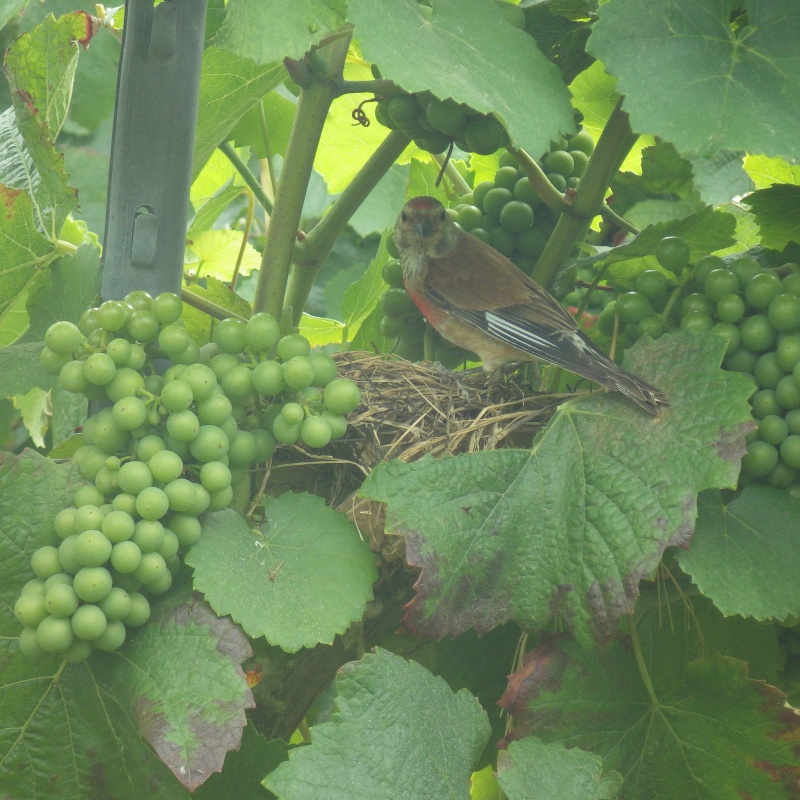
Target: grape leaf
[(20, 370), (199, 324), (294, 27), (777, 211), (568, 529), (532, 770), (63, 733), (394, 722), (766, 171), (279, 114), (300, 580), (721, 178), (702, 730), (470, 52), (363, 297), (184, 687), (320, 330), (385, 200), (746, 552), (229, 86), (716, 88), (35, 408), (217, 252)]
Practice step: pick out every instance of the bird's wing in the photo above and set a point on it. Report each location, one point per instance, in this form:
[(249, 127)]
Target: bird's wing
[(485, 280)]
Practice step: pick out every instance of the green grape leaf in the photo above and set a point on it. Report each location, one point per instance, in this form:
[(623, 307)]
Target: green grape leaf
[(717, 88), (69, 413), (765, 171), (321, 331), (746, 552), (294, 27), (721, 178), (470, 52), (94, 90), (381, 209), (10, 9), (746, 235), (24, 248), (701, 728), (594, 94), (777, 211), (63, 730), (20, 370), (217, 251), (279, 116), (14, 320), (665, 171), (229, 86), (300, 580), (199, 324), (532, 770), (65, 290), (422, 180), (182, 680), (609, 488), (645, 214), (35, 408), (245, 769), (414, 728), (363, 297)]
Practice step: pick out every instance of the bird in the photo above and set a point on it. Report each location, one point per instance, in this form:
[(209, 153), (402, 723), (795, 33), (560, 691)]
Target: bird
[(479, 300)]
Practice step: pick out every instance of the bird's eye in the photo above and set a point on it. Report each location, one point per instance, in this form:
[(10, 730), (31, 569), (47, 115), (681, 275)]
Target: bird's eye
[(404, 216), (442, 216)]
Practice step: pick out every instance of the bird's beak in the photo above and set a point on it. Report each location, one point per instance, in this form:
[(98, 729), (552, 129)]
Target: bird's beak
[(422, 228)]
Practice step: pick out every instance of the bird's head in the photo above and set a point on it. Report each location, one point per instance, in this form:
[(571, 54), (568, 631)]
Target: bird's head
[(424, 229)]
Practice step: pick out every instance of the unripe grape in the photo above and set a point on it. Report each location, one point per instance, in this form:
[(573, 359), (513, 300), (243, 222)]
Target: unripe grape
[(125, 383), (30, 609), (88, 622), (125, 557), (342, 396), (217, 408), (134, 477), (63, 337), (129, 413), (92, 548), (92, 583), (215, 476), (112, 315), (298, 372), (51, 362), (242, 450), (73, 378), (167, 307), (140, 611), (99, 369), (673, 253), (745, 268), (54, 635), (116, 604), (147, 536), (262, 331), (285, 433), (183, 425), (315, 432), (66, 555), (87, 496), (201, 379), (173, 340), (44, 562), (165, 466), (210, 444), (152, 503), (118, 526), (237, 383), (61, 600), (293, 413), (151, 569), (186, 528), (113, 637)]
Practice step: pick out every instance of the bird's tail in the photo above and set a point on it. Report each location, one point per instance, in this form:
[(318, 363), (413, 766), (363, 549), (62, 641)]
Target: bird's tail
[(641, 392)]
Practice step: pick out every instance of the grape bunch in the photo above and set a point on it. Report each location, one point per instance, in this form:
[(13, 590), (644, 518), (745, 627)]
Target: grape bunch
[(166, 447), (757, 312)]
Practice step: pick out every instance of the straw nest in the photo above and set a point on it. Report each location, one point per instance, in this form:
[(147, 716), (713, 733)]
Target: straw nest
[(409, 410)]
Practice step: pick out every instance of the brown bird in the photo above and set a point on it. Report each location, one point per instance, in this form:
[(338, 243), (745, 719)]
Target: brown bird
[(477, 299)]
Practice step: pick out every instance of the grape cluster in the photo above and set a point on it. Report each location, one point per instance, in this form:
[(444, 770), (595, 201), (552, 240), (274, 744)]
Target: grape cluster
[(164, 449), (757, 312), (434, 124)]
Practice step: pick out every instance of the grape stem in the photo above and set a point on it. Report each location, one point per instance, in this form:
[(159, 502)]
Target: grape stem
[(379, 87), (251, 207), (208, 307), (609, 215), (453, 175), (637, 651), (248, 177), (671, 303), (540, 183)]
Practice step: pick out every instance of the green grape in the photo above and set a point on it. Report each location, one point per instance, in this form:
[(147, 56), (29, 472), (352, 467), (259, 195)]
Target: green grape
[(579, 160), (168, 308), (336, 422), (29, 646), (125, 556), (92, 548), (242, 451), (791, 283), (782, 477), (112, 638), (696, 302), (324, 369), (173, 339), (107, 435), (191, 355), (445, 116), (293, 413), (134, 477), (262, 331), (484, 135), (760, 459), (480, 191), (88, 322), (112, 315), (402, 110), (230, 428), (784, 312), (88, 622), (790, 451), (51, 362), (183, 426), (315, 432), (44, 562), (582, 141), (731, 335), (177, 395), (35, 585), (767, 371), (482, 234), (392, 273), (92, 583), (773, 429), (719, 283), (525, 193), (757, 333), (106, 481), (673, 253), (143, 326), (152, 503), (73, 378), (126, 581), (762, 290), (292, 346), (88, 496), (742, 360), (558, 180), (651, 326), (210, 444), (129, 413), (265, 444), (495, 200), (148, 446), (706, 265), (125, 383), (559, 161), (654, 286), (140, 300), (180, 494), (342, 396), (54, 635), (268, 378), (697, 322), (298, 372), (64, 523), (99, 369), (215, 476), (90, 459), (119, 350), (237, 383), (787, 393), (148, 535), (169, 543), (395, 303), (201, 379), (765, 403), (531, 243), (30, 609), (632, 307), (140, 611), (165, 466), (60, 601), (503, 241), (151, 569), (230, 335), (285, 433), (63, 337), (162, 585), (730, 308), (788, 352), (516, 216), (433, 142), (66, 555), (216, 409), (221, 499), (117, 525), (745, 268), (506, 177), (469, 217), (186, 528), (116, 604)]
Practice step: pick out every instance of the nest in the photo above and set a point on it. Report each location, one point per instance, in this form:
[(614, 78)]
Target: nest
[(409, 410)]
